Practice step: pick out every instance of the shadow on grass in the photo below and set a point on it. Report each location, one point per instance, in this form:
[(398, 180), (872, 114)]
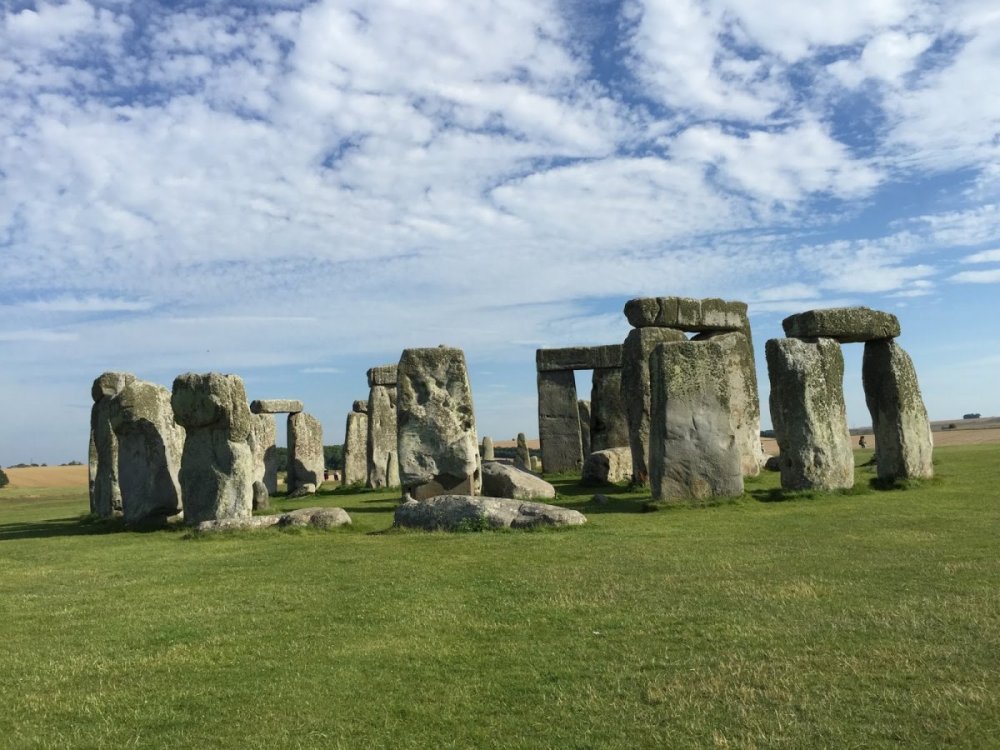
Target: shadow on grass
[(72, 526)]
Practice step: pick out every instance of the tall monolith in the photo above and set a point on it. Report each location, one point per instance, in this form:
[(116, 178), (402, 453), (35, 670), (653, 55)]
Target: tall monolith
[(105, 496)]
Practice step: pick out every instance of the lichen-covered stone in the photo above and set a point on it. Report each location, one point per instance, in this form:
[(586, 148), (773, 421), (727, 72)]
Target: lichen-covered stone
[(386, 375), (263, 434), (687, 314), (355, 449), (636, 353), (306, 462), (608, 466), (522, 456), (217, 467), (501, 480), (692, 444), (438, 450), (150, 447), (899, 418), (105, 496), (578, 358), (808, 413), (844, 324), (584, 409), (317, 518), (559, 421), (608, 418), (276, 406), (458, 512), (360, 406), (381, 450)]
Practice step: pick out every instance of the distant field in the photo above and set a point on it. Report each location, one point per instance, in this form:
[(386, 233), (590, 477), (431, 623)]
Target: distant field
[(867, 620)]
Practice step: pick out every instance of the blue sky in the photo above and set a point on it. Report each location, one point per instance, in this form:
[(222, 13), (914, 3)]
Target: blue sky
[(296, 192)]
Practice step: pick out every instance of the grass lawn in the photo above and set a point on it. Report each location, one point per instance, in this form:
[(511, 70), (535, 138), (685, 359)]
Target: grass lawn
[(859, 620)]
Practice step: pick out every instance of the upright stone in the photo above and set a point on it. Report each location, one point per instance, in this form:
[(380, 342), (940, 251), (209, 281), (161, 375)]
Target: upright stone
[(744, 400), (636, 393), (608, 418), (808, 413), (306, 461), (693, 451), (436, 425), (91, 467), (522, 456), (899, 418), (382, 461), (263, 436), (217, 466), (559, 421), (488, 452), (106, 497), (356, 445), (584, 408), (150, 446)]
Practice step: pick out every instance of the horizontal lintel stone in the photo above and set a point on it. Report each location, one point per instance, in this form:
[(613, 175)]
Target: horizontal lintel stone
[(276, 406), (579, 358), (848, 325), (382, 375), (687, 314)]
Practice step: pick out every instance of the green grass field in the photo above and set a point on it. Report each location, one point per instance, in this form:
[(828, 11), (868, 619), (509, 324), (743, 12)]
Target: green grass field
[(861, 620)]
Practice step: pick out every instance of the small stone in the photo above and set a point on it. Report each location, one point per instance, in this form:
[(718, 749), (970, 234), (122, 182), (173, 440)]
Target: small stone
[(522, 456), (608, 466), (500, 480), (261, 498), (455, 512), (302, 490)]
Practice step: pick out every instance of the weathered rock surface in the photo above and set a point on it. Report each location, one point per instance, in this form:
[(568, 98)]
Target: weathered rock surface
[(150, 447), (319, 518), (382, 464), (386, 375), (584, 409), (500, 480), (899, 418), (306, 462), (608, 418), (488, 452), (436, 427), (455, 512), (263, 433), (276, 406), (608, 466), (687, 314), (808, 413), (356, 448), (559, 421), (106, 497), (261, 497), (522, 456), (578, 358), (217, 468), (844, 324), (692, 445), (360, 406), (636, 393)]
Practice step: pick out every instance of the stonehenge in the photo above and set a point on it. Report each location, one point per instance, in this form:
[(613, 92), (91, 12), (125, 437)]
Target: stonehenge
[(276, 406), (263, 432), (807, 404), (306, 462), (608, 424), (105, 495), (356, 445), (584, 409), (383, 464), (436, 427), (522, 456), (217, 467), (660, 321)]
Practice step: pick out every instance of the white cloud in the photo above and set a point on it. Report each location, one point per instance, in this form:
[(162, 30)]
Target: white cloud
[(986, 256), (991, 276)]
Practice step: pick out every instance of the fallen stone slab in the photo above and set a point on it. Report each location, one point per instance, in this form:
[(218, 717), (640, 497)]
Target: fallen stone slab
[(276, 406), (687, 314), (453, 512), (608, 466), (500, 480), (317, 518), (847, 325), (578, 358)]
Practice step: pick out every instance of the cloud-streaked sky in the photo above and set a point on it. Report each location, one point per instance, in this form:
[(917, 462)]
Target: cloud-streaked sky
[(297, 191)]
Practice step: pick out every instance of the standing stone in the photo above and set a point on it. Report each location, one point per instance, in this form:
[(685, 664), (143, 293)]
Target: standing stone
[(584, 409), (808, 413), (217, 465), (536, 465), (559, 421), (382, 461), (744, 400), (692, 445), (306, 462), (261, 497), (91, 466), (263, 436), (356, 445), (488, 452), (899, 418), (609, 466), (438, 448), (608, 419), (636, 393), (522, 456), (150, 446), (106, 497)]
